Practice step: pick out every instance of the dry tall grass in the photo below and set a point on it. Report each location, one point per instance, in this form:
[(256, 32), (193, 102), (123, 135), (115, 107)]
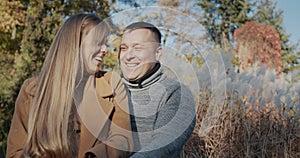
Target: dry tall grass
[(264, 127), (238, 134)]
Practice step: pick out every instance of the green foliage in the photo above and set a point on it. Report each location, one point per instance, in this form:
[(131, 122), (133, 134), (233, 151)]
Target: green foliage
[(110, 60), (222, 17), (42, 22), (10, 23)]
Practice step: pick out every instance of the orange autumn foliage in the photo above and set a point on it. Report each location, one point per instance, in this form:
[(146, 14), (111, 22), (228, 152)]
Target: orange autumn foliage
[(260, 43)]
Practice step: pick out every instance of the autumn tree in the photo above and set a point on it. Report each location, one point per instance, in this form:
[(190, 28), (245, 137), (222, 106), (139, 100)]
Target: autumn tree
[(258, 43), (269, 15)]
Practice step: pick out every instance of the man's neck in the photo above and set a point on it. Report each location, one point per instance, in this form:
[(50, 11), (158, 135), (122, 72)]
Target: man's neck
[(139, 82)]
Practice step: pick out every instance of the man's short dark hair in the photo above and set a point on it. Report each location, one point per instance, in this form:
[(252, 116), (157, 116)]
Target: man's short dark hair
[(145, 25)]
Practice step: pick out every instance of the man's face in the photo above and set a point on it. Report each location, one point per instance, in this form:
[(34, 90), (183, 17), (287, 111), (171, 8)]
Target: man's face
[(138, 54)]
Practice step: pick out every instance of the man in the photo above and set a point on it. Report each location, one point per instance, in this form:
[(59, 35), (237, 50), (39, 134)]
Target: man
[(163, 110)]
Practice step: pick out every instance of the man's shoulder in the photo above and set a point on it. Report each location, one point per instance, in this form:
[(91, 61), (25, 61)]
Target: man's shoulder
[(172, 84)]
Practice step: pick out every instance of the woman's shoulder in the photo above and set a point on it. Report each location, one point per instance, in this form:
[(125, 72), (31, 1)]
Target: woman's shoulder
[(29, 86), (26, 95)]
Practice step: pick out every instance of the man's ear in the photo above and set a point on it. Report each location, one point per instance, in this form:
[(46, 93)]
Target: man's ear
[(158, 53)]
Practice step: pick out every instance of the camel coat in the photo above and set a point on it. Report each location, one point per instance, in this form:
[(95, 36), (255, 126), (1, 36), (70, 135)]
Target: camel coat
[(104, 121)]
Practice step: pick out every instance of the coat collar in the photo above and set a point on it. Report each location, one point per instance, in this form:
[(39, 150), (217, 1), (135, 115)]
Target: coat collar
[(104, 87)]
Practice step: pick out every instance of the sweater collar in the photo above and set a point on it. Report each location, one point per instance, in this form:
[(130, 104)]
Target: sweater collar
[(151, 77)]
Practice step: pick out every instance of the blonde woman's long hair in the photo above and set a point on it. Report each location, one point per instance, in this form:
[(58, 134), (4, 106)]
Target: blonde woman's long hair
[(50, 117)]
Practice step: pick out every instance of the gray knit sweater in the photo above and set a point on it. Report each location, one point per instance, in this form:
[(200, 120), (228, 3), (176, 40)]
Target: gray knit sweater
[(162, 116)]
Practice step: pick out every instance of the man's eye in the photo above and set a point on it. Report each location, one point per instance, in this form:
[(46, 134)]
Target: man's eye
[(123, 48), (138, 48)]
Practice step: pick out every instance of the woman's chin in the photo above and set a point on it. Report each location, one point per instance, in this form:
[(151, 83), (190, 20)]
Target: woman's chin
[(92, 71)]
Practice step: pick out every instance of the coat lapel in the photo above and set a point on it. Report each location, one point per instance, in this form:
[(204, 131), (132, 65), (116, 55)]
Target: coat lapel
[(94, 113)]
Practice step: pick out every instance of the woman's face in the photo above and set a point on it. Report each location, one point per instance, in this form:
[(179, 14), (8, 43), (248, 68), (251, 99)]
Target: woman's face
[(93, 52)]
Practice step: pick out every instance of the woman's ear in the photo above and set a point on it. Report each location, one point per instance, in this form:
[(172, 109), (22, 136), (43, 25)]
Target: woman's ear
[(158, 53)]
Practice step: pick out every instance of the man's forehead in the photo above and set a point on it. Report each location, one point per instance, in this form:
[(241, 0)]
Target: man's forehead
[(138, 30), (141, 35)]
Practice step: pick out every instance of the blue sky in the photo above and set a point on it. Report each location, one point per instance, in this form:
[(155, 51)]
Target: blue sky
[(291, 18)]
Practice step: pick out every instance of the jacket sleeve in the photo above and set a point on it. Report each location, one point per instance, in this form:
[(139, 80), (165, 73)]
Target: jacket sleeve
[(18, 131), (175, 123), (119, 142)]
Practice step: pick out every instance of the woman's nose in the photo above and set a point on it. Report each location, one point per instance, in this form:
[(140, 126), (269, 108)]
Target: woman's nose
[(103, 50)]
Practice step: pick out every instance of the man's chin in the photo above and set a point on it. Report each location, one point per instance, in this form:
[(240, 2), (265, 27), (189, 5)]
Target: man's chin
[(131, 77)]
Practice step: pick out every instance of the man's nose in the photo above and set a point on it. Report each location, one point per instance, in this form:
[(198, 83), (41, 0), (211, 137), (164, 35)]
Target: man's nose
[(129, 54)]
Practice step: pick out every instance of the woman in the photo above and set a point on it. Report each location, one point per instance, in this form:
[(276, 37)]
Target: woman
[(72, 109)]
